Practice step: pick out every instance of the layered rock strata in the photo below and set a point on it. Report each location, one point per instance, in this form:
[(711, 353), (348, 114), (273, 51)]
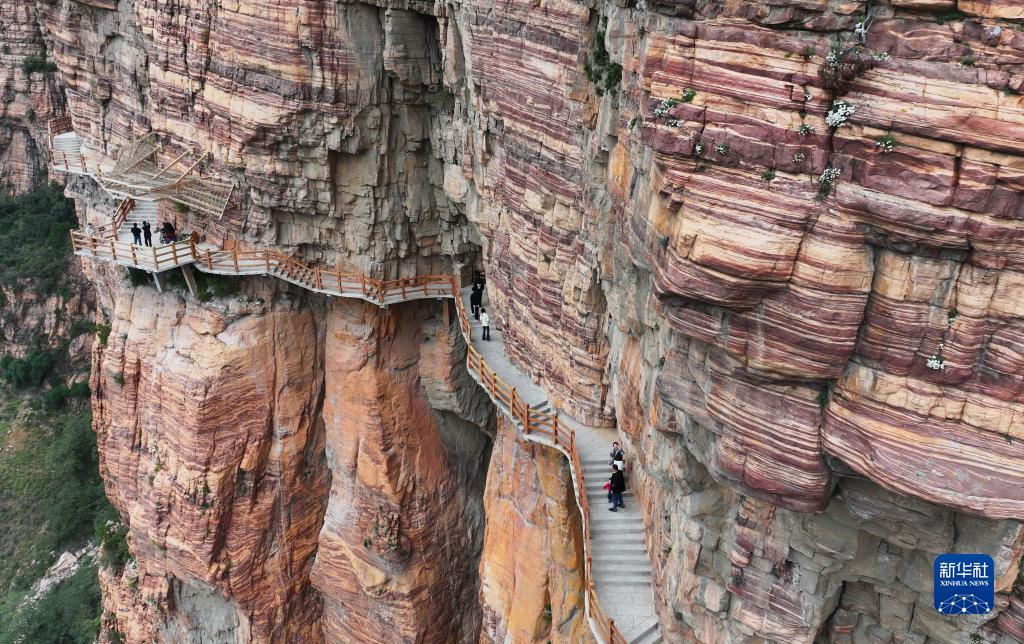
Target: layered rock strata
[(803, 317)]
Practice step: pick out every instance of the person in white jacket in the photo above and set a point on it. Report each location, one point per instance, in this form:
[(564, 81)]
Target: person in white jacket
[(485, 322)]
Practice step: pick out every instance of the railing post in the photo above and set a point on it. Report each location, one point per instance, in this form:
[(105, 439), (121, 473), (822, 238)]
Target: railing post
[(174, 252), (319, 281), (266, 260), (135, 260), (113, 249), (192, 249), (234, 256), (362, 283), (209, 260), (156, 260)]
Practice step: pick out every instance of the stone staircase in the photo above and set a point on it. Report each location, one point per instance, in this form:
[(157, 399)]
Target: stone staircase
[(67, 154), (144, 210), (622, 569)]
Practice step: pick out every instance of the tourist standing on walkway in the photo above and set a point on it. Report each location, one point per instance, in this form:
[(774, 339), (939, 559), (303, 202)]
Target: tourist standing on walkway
[(618, 486), (136, 235), (475, 300), (485, 321), (618, 457), (147, 233)]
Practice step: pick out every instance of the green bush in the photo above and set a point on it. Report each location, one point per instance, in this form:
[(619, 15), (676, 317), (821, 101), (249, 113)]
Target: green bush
[(112, 535), (37, 63), (103, 333), (50, 494), (34, 239), (80, 389), (601, 71), (139, 277), (68, 614), (29, 371), (54, 398), (209, 286)]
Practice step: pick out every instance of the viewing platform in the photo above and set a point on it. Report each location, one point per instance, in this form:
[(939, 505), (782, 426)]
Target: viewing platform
[(138, 176)]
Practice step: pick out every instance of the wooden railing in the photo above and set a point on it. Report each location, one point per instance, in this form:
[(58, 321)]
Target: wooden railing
[(110, 230), (151, 258)]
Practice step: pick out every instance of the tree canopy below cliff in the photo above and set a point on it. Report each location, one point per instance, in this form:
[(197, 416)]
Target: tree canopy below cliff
[(51, 495), (34, 236)]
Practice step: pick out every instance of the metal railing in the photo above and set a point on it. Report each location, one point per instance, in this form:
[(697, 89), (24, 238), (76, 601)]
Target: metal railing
[(538, 426)]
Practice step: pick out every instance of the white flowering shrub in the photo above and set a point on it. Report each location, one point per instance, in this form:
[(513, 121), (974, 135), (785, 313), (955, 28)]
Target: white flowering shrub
[(887, 143), (826, 180), (805, 130), (799, 156), (722, 148), (936, 362), (672, 122), (698, 149), (834, 57), (840, 113), (665, 106)]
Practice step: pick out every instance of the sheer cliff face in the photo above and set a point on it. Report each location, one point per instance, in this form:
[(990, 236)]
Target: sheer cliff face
[(819, 382), (28, 98)]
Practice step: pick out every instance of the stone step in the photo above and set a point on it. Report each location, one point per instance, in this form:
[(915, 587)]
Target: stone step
[(622, 578), (636, 557), (608, 566), (613, 537), (650, 633), (623, 519)]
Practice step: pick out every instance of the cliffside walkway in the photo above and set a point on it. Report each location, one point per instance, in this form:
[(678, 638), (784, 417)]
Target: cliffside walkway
[(617, 573), (618, 599)]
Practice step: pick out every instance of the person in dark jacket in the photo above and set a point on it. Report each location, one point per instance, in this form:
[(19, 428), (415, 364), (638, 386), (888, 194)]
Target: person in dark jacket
[(147, 233), (618, 482), (616, 454), (475, 299), (136, 235)]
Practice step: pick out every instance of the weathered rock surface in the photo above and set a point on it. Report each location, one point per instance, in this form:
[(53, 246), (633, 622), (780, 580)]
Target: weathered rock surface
[(530, 571), (30, 97), (820, 384), (402, 533)]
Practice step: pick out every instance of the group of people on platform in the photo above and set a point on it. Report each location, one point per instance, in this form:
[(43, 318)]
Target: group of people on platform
[(167, 234), (476, 299), (616, 485)]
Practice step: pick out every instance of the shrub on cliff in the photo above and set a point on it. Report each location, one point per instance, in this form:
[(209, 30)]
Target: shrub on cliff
[(601, 71), (37, 63)]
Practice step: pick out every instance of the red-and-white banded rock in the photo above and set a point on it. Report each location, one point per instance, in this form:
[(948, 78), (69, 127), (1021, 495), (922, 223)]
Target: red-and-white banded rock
[(761, 339), (531, 542), (205, 419), (401, 537)]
